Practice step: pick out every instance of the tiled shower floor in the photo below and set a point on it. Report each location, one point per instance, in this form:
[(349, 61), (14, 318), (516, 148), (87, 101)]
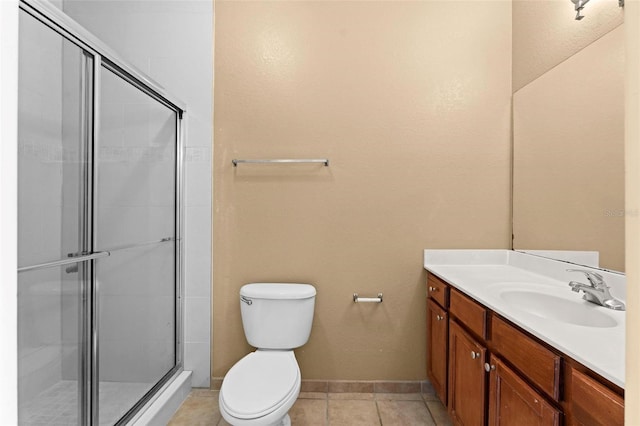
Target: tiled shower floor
[(58, 405)]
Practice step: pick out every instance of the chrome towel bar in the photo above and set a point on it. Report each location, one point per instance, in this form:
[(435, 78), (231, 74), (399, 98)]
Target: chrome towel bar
[(358, 299), (324, 161)]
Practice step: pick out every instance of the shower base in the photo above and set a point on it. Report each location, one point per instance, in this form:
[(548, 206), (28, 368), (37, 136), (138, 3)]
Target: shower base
[(58, 405)]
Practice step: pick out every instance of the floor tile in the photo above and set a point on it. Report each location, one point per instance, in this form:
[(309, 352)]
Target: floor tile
[(329, 409), (439, 413), (312, 395), (223, 422), (353, 413), (404, 413), (199, 392), (430, 397), (309, 412), (200, 411), (58, 404)]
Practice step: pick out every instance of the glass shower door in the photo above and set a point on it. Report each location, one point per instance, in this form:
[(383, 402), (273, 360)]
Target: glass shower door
[(136, 223), (53, 164), (98, 229), (50, 387)]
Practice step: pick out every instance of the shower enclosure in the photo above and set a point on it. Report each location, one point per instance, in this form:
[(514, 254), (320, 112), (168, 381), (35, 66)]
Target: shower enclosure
[(99, 228)]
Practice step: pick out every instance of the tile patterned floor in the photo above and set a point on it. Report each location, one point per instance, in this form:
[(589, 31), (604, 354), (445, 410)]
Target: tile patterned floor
[(329, 409), (58, 405)]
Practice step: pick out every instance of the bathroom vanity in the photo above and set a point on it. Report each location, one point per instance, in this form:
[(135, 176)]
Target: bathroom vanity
[(508, 342)]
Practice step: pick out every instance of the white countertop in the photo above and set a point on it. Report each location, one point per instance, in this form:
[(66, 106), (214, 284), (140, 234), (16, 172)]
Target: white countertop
[(482, 273)]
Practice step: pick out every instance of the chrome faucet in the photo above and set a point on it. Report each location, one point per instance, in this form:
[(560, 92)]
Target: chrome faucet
[(597, 291)]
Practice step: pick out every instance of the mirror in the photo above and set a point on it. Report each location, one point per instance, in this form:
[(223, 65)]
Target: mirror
[(568, 157)]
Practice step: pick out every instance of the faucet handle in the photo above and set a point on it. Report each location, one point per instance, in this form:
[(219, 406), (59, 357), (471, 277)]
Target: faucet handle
[(594, 278), (575, 286)]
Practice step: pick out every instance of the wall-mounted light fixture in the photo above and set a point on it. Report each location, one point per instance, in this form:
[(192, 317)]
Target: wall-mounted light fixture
[(579, 5)]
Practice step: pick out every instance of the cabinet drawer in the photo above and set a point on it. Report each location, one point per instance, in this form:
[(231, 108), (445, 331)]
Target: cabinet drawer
[(593, 403), (469, 313), (438, 290), (537, 363)]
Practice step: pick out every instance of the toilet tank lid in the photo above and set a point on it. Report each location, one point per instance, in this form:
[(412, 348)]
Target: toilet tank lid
[(278, 291)]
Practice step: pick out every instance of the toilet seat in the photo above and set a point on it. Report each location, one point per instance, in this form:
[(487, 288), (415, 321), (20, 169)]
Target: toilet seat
[(260, 383)]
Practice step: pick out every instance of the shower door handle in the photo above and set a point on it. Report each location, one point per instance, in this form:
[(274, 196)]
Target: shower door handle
[(73, 269), (69, 261)]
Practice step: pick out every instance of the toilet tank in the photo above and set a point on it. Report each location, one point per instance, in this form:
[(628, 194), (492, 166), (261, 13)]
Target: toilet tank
[(277, 315)]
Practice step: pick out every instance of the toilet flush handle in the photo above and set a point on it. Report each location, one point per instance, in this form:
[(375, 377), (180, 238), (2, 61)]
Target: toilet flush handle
[(246, 300)]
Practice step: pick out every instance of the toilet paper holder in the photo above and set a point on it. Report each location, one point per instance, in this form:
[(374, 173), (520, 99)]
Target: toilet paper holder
[(358, 299)]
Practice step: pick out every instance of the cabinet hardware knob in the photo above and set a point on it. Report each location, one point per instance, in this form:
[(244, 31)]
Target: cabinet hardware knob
[(439, 318), (475, 355), (432, 289), (488, 368)]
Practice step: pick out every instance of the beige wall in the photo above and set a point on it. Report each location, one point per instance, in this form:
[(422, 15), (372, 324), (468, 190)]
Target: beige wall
[(568, 179), (545, 33), (410, 101), (632, 249)]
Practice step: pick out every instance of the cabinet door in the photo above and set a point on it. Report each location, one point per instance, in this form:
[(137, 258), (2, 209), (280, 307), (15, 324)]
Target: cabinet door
[(594, 404), (437, 338), (467, 378), (513, 402)]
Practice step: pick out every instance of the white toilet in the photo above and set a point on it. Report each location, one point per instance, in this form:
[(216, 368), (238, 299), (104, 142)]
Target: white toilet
[(260, 389)]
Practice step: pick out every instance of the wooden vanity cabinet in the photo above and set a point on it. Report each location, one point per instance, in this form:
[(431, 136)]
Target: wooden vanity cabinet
[(488, 371), (437, 342), (513, 402), (467, 378)]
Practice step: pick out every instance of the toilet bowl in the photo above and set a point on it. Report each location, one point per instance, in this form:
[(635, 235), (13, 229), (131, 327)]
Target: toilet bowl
[(260, 389)]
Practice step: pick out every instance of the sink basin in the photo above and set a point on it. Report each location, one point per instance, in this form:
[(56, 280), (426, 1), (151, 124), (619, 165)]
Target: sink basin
[(556, 308)]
